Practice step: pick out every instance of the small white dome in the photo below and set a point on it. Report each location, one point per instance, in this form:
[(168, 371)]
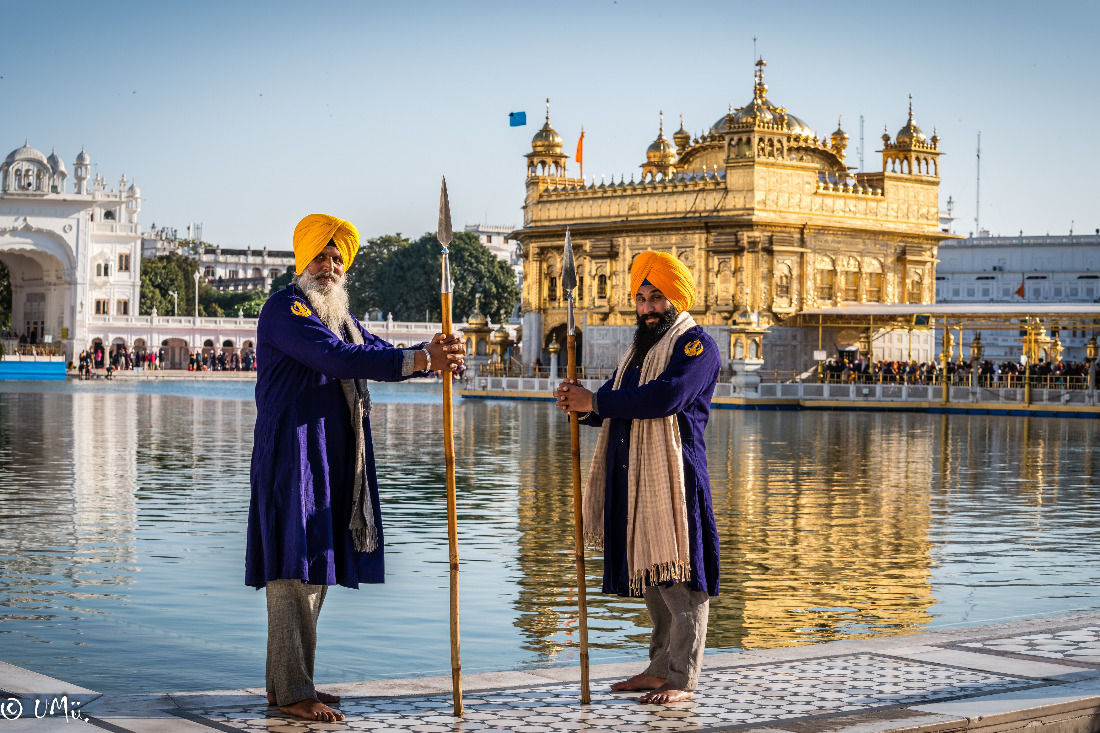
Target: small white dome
[(26, 153), (56, 163)]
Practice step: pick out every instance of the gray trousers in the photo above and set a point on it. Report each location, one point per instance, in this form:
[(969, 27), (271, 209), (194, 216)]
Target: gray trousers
[(679, 617), (292, 611)]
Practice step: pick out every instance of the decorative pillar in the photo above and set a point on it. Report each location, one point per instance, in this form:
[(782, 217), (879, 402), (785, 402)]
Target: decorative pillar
[(554, 348), (746, 361)]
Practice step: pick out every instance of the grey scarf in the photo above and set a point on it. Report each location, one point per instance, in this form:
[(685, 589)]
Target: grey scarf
[(363, 529)]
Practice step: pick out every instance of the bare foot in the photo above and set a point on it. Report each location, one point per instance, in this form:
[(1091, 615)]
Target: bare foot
[(322, 696), (313, 709), (665, 694), (638, 682)]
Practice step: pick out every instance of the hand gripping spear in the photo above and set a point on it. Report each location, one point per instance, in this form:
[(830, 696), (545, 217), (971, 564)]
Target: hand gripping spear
[(445, 234), (568, 283)]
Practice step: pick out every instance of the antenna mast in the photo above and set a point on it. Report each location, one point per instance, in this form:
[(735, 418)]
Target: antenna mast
[(978, 203), (861, 143)]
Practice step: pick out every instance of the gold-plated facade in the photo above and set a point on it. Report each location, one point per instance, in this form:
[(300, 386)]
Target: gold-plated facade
[(767, 215)]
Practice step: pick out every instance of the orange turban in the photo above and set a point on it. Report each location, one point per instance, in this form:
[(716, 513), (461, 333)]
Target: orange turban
[(667, 274), (315, 232)]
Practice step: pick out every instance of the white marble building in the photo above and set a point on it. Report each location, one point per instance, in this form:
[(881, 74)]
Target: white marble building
[(225, 269), (1046, 269), (73, 253)]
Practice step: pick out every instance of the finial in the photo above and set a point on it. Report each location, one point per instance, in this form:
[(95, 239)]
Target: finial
[(661, 116), (838, 119), (548, 109), (910, 109)]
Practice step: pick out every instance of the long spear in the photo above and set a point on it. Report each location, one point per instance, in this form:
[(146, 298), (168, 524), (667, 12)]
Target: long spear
[(445, 234), (568, 283)]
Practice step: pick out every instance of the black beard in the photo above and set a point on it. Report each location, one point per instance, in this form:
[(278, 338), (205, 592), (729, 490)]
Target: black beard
[(646, 336)]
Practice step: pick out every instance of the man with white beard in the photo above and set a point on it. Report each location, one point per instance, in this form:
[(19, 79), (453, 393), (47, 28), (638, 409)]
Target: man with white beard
[(314, 518)]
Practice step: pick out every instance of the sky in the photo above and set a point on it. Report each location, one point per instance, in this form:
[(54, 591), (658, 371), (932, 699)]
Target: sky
[(245, 116)]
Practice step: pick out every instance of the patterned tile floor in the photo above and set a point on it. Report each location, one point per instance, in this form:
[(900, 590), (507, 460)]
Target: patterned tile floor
[(727, 698), (1071, 645)]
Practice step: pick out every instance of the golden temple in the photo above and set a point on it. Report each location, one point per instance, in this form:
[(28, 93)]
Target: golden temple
[(769, 217)]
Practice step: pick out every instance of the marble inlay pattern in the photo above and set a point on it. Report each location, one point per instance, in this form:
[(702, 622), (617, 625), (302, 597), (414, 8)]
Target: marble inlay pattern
[(731, 697), (1081, 645)]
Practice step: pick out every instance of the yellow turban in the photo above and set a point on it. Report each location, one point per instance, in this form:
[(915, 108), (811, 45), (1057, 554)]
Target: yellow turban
[(667, 274), (315, 232)]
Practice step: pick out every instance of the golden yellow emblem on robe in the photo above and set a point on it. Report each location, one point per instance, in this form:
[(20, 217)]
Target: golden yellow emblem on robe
[(694, 348), (299, 309)]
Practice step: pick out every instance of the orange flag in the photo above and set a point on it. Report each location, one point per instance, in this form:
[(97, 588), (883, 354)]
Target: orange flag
[(1020, 290), (580, 152)]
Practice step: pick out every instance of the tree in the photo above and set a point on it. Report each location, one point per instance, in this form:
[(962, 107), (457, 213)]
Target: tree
[(282, 281), (163, 274), (407, 282), (362, 282), (227, 303)]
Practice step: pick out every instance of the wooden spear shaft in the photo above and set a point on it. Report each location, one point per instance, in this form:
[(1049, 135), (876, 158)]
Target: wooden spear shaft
[(578, 525), (445, 235), (452, 515)]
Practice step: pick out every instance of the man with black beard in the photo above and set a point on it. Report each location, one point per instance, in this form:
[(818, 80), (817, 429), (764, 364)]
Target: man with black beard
[(647, 503), (314, 518)]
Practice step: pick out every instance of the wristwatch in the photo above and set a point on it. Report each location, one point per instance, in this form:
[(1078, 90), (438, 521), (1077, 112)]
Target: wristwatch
[(427, 358)]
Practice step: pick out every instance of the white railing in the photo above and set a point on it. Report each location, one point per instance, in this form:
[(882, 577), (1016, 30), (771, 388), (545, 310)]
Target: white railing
[(816, 391)]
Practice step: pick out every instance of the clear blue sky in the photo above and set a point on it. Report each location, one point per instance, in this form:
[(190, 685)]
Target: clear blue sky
[(246, 116)]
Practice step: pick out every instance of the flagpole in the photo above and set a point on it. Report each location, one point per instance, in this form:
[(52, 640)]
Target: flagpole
[(444, 234), (569, 281)]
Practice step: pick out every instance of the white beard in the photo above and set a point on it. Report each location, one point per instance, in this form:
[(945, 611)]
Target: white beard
[(329, 298)]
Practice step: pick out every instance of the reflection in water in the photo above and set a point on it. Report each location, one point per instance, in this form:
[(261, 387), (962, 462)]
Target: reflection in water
[(122, 515)]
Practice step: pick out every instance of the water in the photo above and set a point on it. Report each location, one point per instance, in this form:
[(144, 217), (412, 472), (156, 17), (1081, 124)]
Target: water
[(123, 507)]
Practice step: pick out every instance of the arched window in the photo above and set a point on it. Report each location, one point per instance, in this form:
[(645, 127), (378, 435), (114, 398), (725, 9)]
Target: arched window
[(913, 292), (601, 286), (552, 289), (874, 286), (850, 285), (823, 283), (783, 283)]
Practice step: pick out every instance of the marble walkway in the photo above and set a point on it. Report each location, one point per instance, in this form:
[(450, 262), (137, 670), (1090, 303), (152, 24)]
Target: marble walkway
[(1043, 675)]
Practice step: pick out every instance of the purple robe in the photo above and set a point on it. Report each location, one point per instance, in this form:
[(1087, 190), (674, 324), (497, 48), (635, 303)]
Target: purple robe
[(683, 389), (303, 458)]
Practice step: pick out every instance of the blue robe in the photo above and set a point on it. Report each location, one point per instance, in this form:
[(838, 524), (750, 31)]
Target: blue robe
[(303, 458), (683, 389)]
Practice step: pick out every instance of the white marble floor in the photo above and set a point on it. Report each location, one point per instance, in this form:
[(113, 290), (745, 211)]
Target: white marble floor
[(1070, 645), (727, 698)]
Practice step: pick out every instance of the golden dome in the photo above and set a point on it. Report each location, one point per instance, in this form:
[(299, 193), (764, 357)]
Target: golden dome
[(500, 335), (910, 133), (681, 137), (477, 320), (660, 151), (547, 140), (761, 110)]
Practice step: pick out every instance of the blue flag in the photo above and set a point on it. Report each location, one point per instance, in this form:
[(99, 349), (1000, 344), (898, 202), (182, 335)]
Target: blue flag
[(517, 119)]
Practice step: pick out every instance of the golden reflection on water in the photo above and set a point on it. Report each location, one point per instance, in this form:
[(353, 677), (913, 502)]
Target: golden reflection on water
[(824, 527)]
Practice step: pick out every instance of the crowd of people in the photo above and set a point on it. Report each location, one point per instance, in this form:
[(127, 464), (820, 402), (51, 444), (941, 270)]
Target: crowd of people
[(92, 360), (221, 362), (1056, 375)]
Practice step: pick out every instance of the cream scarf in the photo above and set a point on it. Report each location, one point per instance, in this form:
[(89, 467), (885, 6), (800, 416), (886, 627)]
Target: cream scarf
[(657, 547), (363, 530)]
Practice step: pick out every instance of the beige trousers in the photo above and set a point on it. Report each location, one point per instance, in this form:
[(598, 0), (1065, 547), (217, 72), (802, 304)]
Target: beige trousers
[(292, 611), (679, 636)]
